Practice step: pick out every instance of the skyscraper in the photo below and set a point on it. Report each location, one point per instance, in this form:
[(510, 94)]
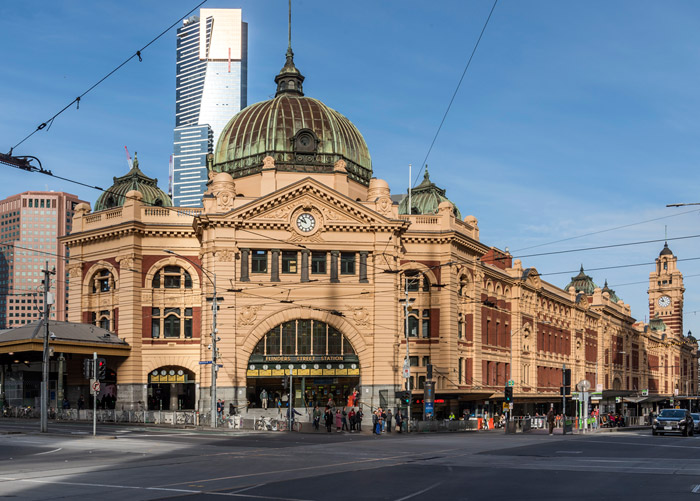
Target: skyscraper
[(30, 224), (211, 86)]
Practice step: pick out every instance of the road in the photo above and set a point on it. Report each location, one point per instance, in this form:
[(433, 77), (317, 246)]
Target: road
[(140, 463)]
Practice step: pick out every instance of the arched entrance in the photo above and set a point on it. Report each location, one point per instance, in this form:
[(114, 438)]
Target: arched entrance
[(171, 389), (324, 363)]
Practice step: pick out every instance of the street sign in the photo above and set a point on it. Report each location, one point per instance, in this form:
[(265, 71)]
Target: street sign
[(575, 395), (205, 362), (618, 400), (645, 393), (599, 387), (95, 387), (675, 391), (597, 395), (511, 382)]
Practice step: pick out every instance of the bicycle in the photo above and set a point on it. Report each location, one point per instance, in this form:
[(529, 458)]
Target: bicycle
[(266, 424), (283, 426)]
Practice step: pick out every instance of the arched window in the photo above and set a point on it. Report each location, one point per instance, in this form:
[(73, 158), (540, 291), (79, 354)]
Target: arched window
[(102, 281), (102, 319), (303, 337), (172, 277), (416, 281)]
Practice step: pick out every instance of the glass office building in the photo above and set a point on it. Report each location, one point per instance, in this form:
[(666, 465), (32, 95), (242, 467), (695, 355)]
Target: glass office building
[(211, 86)]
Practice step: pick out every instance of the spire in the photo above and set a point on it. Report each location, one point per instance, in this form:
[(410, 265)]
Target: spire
[(289, 80)]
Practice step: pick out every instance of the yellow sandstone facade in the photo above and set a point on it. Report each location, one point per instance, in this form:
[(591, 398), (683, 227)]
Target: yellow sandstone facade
[(312, 258)]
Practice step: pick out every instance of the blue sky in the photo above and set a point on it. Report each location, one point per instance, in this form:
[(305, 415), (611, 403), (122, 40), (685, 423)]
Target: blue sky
[(574, 117)]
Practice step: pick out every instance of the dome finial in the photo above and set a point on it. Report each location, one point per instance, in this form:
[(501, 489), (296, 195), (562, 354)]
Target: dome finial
[(289, 79), (426, 176)]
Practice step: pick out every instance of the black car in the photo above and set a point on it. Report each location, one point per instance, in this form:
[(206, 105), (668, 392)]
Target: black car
[(673, 421), (696, 422)]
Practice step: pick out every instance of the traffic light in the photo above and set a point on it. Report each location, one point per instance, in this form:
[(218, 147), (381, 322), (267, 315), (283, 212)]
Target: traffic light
[(404, 397), (508, 393), (567, 377), (101, 368), (285, 382), (87, 368)]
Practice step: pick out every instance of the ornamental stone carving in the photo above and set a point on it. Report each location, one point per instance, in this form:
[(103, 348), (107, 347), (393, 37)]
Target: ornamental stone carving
[(248, 315), (383, 205), (268, 163), (360, 315), (224, 255), (75, 271), (125, 262)]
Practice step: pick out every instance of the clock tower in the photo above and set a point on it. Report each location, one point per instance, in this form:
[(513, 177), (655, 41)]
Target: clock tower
[(666, 291)]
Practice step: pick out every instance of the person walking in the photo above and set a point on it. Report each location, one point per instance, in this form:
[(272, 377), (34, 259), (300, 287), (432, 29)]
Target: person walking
[(399, 421), (81, 403), (358, 419), (550, 419), (388, 420), (263, 398), (317, 417)]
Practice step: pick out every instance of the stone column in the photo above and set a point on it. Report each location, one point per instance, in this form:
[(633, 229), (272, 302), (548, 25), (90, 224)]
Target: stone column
[(334, 266), (244, 265), (363, 267), (275, 266), (305, 265)]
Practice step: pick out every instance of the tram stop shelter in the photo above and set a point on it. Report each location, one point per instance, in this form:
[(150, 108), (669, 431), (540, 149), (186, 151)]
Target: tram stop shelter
[(21, 352)]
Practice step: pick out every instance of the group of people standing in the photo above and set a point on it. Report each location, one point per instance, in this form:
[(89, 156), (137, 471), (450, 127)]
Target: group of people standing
[(343, 419), (382, 421)]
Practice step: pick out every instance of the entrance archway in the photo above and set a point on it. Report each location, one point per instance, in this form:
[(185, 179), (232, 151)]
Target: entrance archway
[(324, 363), (171, 388)]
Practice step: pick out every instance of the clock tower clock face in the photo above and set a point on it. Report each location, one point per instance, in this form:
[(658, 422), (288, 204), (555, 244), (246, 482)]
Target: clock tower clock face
[(664, 301), (306, 222)]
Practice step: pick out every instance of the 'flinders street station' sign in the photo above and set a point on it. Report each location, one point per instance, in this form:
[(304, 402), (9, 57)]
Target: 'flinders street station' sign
[(303, 365)]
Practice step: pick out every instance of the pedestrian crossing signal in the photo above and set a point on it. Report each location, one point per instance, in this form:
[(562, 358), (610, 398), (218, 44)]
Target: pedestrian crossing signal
[(508, 393)]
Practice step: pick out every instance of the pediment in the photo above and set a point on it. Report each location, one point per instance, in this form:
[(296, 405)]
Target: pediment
[(332, 211)]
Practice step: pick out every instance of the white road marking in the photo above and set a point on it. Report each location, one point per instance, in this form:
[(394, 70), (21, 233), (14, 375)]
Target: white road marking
[(419, 492), (696, 489), (569, 452), (184, 491), (48, 452)]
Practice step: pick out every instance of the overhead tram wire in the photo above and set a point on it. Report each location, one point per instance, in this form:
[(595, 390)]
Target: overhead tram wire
[(76, 101), (606, 230), (469, 62)]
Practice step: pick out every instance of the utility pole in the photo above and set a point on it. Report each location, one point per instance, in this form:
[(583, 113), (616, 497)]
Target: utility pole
[(214, 363), (407, 363), (48, 300)]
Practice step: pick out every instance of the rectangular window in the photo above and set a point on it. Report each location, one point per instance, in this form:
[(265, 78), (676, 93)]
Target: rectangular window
[(426, 361), (273, 341), (412, 326), (171, 323), (335, 341), (303, 337), (155, 323), (289, 338), (289, 262), (188, 323), (347, 263), (425, 323), (172, 277), (413, 361), (259, 261), (318, 263), (319, 338)]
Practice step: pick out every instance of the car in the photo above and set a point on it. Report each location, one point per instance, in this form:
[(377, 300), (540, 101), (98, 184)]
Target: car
[(673, 421), (696, 421)]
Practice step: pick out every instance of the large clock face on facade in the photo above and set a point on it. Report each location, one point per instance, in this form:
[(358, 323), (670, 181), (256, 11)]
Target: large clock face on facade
[(306, 222), (664, 301)]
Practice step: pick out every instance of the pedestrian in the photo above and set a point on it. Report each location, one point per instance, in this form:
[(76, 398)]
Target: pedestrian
[(378, 421), (388, 420), (383, 416), (220, 409), (338, 420), (81, 403), (330, 403), (399, 422), (550, 419), (351, 419), (66, 403), (329, 419), (358, 419), (317, 417), (263, 398), (344, 420)]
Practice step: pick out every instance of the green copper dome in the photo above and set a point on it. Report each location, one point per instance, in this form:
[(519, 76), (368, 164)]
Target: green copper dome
[(613, 296), (582, 283), (133, 180), (425, 198), (301, 133)]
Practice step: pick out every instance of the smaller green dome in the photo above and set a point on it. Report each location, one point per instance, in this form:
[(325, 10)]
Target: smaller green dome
[(613, 296), (426, 198), (133, 180), (582, 283)]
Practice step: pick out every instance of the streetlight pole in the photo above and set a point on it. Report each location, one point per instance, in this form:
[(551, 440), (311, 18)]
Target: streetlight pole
[(45, 356), (214, 332)]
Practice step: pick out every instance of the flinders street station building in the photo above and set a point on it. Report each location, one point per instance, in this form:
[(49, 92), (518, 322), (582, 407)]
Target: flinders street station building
[(309, 259)]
